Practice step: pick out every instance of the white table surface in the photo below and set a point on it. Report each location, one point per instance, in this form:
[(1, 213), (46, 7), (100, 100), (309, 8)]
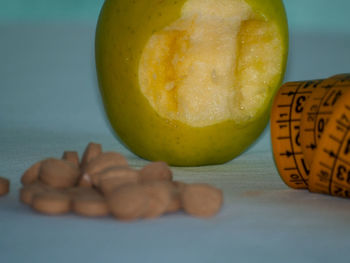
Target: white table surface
[(49, 102)]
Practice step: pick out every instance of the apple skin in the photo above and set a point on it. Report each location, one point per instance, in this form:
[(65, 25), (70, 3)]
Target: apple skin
[(123, 29)]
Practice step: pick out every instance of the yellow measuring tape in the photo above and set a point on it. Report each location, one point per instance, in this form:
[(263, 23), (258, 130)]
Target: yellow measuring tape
[(309, 134)]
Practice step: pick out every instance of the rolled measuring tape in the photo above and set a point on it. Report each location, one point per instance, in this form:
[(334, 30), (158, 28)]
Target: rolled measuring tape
[(301, 113)]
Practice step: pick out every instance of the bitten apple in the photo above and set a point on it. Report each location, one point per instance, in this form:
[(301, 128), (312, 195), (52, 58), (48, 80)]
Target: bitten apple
[(190, 82)]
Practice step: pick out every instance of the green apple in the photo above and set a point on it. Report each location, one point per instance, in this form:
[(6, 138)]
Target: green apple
[(190, 82)]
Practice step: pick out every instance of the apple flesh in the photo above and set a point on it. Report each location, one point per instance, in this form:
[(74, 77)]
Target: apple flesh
[(190, 82)]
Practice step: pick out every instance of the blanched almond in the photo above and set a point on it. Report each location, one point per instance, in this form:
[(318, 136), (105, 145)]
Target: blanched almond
[(90, 203), (92, 150), (156, 171), (159, 195), (58, 173), (103, 161), (201, 200), (71, 156), (113, 177), (51, 202), (128, 202), (31, 174)]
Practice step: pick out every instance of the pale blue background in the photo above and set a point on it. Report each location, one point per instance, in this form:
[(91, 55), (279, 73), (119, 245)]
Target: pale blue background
[(49, 102)]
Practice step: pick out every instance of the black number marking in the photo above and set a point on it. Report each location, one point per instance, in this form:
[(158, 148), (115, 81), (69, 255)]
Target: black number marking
[(297, 136), (332, 98), (320, 125), (343, 174), (299, 106), (347, 147), (306, 169), (340, 172)]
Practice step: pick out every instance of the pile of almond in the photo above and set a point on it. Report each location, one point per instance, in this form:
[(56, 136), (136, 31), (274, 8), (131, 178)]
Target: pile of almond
[(103, 183)]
